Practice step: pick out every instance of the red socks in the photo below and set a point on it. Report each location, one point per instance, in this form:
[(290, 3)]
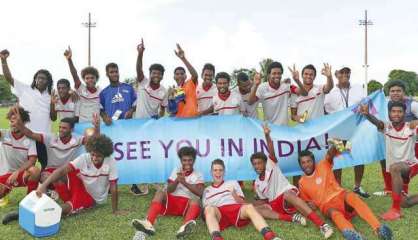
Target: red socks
[(63, 192), (153, 211), (192, 213), (387, 178), (315, 219), (285, 217), (32, 185), (396, 198)]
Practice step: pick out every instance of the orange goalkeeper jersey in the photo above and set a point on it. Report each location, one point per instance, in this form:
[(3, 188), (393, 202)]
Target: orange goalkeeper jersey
[(321, 186)]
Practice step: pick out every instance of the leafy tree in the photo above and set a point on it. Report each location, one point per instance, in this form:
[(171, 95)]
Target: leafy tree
[(131, 81), (234, 74), (373, 85), (5, 90), (408, 77), (264, 64)]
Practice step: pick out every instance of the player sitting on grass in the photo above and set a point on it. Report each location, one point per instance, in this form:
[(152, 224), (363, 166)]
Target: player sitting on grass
[(17, 157), (276, 197), (400, 154), (320, 189), (61, 149), (225, 206), (90, 176), (180, 198)]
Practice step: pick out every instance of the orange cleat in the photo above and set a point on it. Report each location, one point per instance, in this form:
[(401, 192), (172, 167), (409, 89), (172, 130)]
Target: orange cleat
[(391, 215)]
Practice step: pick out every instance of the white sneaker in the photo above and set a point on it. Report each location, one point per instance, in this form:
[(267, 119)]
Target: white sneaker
[(299, 218), (143, 226), (52, 194), (326, 230), (277, 238), (381, 193), (186, 229), (139, 236)]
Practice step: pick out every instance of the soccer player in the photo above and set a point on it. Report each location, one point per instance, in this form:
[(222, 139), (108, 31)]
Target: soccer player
[(88, 91), (274, 94), (151, 95), (276, 197), (91, 176), (320, 189), (244, 89), (396, 90), (61, 149), (35, 98), (180, 197), (183, 97), (224, 206), (339, 98), (226, 102), (400, 157), (64, 105), (206, 89), (117, 101), (17, 157), (312, 105)]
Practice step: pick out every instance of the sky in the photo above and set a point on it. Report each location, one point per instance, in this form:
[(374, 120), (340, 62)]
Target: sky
[(230, 34)]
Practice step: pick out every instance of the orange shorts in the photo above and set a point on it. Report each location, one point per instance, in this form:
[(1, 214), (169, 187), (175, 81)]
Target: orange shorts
[(338, 203)]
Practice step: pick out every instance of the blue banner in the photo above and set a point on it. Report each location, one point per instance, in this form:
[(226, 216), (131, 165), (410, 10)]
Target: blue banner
[(146, 149)]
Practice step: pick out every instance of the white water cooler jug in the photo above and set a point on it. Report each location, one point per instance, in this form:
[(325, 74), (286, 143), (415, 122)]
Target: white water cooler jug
[(39, 216)]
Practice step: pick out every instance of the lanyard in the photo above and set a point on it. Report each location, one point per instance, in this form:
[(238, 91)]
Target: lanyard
[(345, 95)]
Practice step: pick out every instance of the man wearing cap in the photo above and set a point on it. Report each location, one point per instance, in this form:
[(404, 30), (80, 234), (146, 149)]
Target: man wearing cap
[(341, 97)]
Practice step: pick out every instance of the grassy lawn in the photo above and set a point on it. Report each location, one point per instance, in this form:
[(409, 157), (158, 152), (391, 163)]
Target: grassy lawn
[(101, 224)]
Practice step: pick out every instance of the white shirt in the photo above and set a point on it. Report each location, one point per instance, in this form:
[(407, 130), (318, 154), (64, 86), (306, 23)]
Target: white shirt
[(274, 183), (149, 100), (222, 194), (96, 180), (249, 110), (313, 103), (14, 152), (60, 153), (400, 145), (204, 97), (38, 105), (229, 106), (68, 109), (194, 178), (275, 102), (341, 98), (89, 103)]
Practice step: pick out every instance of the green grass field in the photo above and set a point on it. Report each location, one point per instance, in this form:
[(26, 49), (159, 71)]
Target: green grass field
[(99, 223)]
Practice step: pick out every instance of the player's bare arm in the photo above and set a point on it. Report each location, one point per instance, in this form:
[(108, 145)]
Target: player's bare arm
[(257, 81), (180, 54), (364, 110), (55, 176), (327, 72), (296, 77), (68, 55), (269, 141), (4, 54), (18, 123), (139, 71)]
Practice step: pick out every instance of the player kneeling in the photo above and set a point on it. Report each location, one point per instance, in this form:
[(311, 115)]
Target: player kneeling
[(225, 206), (90, 176), (180, 198), (276, 197), (319, 187), (17, 156)]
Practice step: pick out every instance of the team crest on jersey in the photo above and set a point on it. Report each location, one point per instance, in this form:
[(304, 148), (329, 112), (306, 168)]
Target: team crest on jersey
[(318, 180)]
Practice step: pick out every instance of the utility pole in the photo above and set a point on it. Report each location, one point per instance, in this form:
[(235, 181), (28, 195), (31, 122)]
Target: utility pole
[(89, 25), (365, 22)]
